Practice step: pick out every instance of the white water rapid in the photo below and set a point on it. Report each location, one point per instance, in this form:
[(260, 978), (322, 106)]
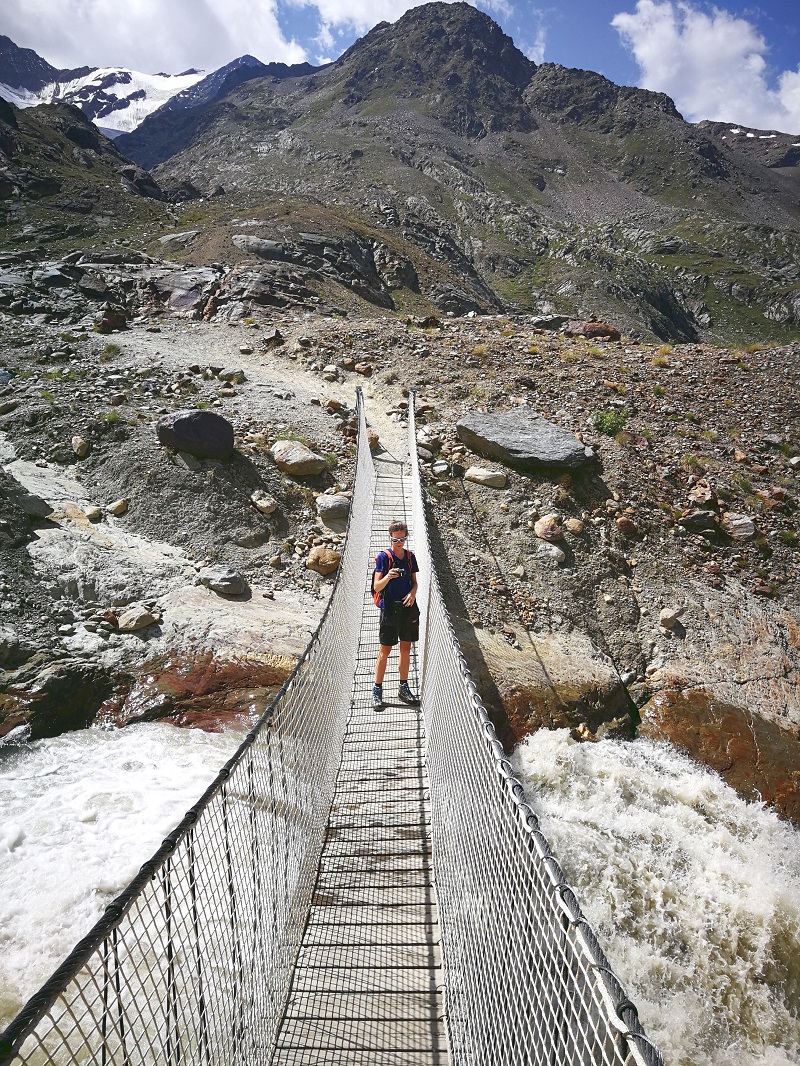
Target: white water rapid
[(79, 814), (694, 893)]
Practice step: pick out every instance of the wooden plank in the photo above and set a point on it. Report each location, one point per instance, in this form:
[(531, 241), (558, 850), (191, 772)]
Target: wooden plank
[(412, 1006), (288, 1057), (383, 934), (374, 914), (418, 980), (361, 894), (362, 1035), (367, 957)]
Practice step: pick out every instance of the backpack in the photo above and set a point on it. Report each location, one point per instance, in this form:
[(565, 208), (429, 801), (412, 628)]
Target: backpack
[(377, 597)]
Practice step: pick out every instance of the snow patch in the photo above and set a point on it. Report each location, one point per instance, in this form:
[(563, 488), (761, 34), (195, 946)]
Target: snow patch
[(116, 99)]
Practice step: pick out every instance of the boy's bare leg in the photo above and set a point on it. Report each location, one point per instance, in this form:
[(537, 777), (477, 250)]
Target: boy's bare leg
[(380, 663), (405, 659)]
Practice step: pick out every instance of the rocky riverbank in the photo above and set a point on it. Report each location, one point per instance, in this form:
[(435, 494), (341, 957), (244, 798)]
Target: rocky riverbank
[(657, 581)]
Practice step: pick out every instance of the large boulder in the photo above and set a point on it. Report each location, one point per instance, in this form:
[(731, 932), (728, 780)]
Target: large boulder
[(224, 580), (201, 433), (292, 457), (524, 439), (186, 290)]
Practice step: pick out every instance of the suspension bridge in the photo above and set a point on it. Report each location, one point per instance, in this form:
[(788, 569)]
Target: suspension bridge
[(356, 887)]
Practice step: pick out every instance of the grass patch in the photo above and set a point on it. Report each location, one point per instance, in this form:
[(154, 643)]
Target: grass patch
[(609, 422), (660, 360), (47, 395), (659, 390), (789, 537), (693, 463)]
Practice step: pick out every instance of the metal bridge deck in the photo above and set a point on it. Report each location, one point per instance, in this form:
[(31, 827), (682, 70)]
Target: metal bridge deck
[(367, 985)]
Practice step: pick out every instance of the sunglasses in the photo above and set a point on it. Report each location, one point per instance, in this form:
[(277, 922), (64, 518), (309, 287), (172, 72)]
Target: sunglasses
[(399, 540)]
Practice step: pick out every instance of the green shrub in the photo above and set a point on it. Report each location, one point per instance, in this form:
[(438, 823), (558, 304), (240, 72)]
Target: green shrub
[(609, 422)]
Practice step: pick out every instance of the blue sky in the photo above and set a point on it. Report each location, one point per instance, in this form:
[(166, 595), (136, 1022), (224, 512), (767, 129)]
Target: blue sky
[(732, 61)]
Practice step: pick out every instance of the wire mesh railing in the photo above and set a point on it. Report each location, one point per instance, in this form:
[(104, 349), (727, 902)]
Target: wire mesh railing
[(192, 962), (526, 981)]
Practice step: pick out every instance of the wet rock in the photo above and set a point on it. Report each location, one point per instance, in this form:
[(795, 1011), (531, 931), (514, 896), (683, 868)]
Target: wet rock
[(13, 650), (524, 439), (323, 560), (295, 458), (493, 479), (63, 696), (224, 580), (204, 434), (759, 758)]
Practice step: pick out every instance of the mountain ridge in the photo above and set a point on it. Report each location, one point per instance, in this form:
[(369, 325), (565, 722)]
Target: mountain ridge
[(499, 182)]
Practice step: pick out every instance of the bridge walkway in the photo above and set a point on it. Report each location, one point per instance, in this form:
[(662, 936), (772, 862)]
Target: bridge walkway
[(367, 985)]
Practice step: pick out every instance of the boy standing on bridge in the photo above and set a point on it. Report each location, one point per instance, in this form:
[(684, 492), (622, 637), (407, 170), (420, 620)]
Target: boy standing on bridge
[(395, 578)]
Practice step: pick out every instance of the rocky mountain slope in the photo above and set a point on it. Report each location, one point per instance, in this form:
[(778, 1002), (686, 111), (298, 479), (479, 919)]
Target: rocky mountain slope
[(443, 171), (553, 189)]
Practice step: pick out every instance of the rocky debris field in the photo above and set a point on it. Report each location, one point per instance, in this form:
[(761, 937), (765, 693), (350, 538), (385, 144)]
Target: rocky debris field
[(652, 585)]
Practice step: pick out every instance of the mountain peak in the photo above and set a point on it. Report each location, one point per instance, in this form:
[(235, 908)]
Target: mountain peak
[(453, 58)]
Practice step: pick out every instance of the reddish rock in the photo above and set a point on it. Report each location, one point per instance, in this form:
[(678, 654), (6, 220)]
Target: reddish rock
[(593, 330), (548, 528), (756, 757), (702, 494), (626, 525)]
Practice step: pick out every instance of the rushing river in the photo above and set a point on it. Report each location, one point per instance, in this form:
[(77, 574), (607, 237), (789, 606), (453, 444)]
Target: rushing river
[(79, 814), (694, 893)]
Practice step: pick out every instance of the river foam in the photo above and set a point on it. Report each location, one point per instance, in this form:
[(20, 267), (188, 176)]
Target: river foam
[(694, 893), (79, 814)]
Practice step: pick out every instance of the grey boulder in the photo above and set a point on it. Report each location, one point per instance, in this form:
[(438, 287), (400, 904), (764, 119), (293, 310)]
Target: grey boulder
[(203, 434), (524, 439), (224, 580)]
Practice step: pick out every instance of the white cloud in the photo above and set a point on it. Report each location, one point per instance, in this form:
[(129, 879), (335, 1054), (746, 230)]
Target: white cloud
[(148, 35), (712, 65), (535, 51)]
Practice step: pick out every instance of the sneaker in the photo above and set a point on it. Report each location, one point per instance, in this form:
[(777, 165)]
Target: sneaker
[(406, 695), (377, 697)]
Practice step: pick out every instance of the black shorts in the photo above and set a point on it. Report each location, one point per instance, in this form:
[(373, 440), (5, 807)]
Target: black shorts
[(398, 622)]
